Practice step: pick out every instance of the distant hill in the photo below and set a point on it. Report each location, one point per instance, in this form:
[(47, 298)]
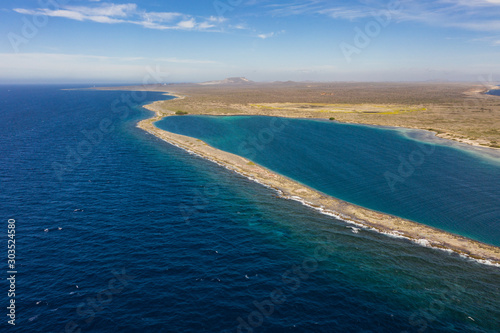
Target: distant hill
[(230, 80)]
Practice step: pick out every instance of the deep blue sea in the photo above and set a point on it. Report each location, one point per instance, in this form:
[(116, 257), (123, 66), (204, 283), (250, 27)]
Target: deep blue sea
[(118, 231)]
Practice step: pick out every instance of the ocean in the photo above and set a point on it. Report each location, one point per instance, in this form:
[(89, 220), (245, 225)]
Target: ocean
[(118, 231)]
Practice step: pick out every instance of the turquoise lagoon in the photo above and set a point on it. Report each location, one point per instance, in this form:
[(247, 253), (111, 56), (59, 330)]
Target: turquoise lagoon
[(408, 173)]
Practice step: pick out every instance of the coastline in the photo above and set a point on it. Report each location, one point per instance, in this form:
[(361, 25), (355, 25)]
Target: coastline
[(448, 135), (475, 93), (290, 189), (462, 114)]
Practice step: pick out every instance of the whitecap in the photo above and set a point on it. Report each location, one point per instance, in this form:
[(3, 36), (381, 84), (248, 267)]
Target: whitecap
[(355, 230), (423, 242)]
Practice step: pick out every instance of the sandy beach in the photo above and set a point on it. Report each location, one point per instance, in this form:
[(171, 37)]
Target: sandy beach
[(290, 189)]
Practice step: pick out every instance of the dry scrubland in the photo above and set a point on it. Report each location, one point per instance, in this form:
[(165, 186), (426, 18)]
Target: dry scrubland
[(456, 111)]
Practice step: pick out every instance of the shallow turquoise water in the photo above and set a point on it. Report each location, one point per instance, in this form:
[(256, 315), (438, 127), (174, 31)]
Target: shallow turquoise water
[(379, 168)]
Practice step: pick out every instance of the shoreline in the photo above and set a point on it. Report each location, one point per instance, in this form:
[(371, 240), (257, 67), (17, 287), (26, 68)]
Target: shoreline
[(471, 107), (157, 106), (476, 93), (290, 189)]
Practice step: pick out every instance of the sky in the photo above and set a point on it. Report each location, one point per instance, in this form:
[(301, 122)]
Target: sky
[(99, 42)]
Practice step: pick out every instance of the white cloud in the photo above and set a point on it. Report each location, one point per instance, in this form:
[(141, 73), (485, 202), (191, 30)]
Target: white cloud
[(70, 14), (473, 3), (270, 34), (239, 27), (205, 25), (217, 19), (104, 19), (161, 17), (105, 10), (477, 15), (110, 13), (265, 36), (306, 7), (344, 13), (56, 13), (188, 24)]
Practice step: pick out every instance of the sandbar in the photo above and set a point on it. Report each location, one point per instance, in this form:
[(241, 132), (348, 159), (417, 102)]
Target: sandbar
[(291, 189)]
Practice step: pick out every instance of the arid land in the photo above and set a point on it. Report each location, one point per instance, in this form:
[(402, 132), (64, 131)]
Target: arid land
[(301, 100), (457, 111)]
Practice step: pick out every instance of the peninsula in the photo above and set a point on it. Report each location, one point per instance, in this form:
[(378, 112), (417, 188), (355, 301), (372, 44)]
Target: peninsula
[(459, 111)]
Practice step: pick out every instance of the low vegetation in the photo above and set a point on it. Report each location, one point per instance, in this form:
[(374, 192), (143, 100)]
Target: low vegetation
[(450, 109)]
